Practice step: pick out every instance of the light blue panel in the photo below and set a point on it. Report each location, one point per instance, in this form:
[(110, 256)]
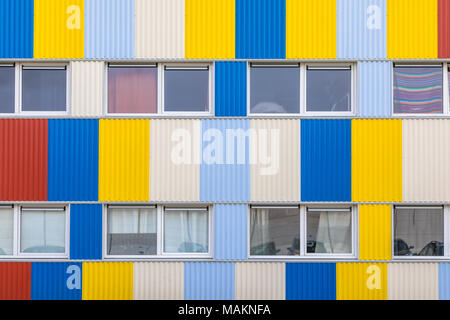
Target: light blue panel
[(223, 179), (209, 281), (444, 281), (230, 230), (374, 89), (109, 29), (361, 29)]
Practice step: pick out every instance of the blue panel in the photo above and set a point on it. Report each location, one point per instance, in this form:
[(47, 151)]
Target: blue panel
[(85, 231), (56, 281), (361, 29), (444, 281), (209, 281), (230, 230), (326, 160), (260, 29), (16, 28), (223, 179), (73, 160), (374, 89), (109, 29), (310, 281), (231, 89)]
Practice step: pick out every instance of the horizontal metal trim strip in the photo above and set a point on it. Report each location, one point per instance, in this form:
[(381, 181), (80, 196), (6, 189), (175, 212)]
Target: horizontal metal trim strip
[(131, 207), (174, 68), (44, 68), (3, 65), (41, 209), (278, 65), (329, 68), (419, 207), (275, 207), (6, 206), (329, 210), (406, 65), (186, 209), (150, 65)]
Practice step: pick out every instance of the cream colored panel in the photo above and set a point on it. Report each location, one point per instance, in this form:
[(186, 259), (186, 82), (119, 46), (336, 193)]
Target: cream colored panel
[(260, 281), (87, 88), (413, 281)]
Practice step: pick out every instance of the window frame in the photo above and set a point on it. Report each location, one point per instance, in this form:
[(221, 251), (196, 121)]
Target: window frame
[(16, 73)]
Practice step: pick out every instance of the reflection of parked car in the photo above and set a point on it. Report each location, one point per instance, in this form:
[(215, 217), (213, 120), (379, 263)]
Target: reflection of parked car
[(294, 250), (265, 249), (401, 248), (313, 246), (433, 248)]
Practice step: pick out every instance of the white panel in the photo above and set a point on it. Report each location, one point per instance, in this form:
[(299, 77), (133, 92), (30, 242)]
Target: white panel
[(412, 281), (87, 88)]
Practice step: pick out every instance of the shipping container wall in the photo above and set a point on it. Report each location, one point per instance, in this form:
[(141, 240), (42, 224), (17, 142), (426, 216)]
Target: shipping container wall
[(86, 231), (443, 29), (444, 281), (413, 281), (230, 89), (310, 281), (260, 281), (15, 281), (87, 88), (375, 232)]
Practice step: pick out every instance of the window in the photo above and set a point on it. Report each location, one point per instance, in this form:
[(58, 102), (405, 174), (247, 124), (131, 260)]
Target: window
[(6, 230), (7, 85)]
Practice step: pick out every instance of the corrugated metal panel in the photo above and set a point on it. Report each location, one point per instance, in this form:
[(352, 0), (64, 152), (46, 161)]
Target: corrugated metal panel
[(16, 28), (230, 231), (374, 89), (209, 281), (276, 174), (160, 29), (175, 160), (158, 281), (412, 29), (230, 89), (426, 158), (15, 281), (73, 160), (375, 232), (362, 281), (326, 160), (444, 281), (260, 281), (443, 29), (109, 26), (310, 281), (413, 281), (87, 88), (311, 29), (225, 174), (376, 160), (23, 165), (124, 160), (86, 231), (107, 281), (210, 29), (260, 29), (361, 29), (58, 29), (56, 281)]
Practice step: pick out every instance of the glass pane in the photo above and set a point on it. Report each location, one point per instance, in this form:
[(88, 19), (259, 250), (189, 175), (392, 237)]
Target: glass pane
[(275, 232), (329, 232), (44, 90), (419, 232), (274, 90), (132, 231), (186, 231), (42, 231), (7, 88), (132, 90), (6, 231), (418, 90), (186, 90), (328, 90)]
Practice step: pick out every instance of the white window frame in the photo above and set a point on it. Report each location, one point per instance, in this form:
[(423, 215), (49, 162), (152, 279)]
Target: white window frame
[(13, 65), (445, 91)]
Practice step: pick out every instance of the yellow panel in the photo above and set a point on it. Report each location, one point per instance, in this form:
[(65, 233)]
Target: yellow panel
[(412, 29), (377, 160), (375, 232), (361, 281), (124, 160), (210, 29), (58, 29), (311, 29), (107, 281)]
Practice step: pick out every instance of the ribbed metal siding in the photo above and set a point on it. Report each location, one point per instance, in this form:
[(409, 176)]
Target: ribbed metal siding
[(260, 29), (109, 28), (158, 281), (374, 89), (220, 181), (86, 231), (443, 29), (361, 29), (16, 28), (209, 281), (230, 231), (87, 88), (230, 89), (23, 165), (260, 281), (413, 281), (56, 281), (375, 232), (426, 159), (72, 160), (15, 281), (326, 160), (310, 281), (444, 281)]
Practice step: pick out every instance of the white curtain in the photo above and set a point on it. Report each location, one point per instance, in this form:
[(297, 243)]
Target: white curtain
[(6, 231), (128, 220), (334, 232), (259, 227)]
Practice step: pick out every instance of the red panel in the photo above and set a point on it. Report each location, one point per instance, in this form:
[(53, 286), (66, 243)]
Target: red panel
[(23, 160), (444, 28), (15, 281)]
